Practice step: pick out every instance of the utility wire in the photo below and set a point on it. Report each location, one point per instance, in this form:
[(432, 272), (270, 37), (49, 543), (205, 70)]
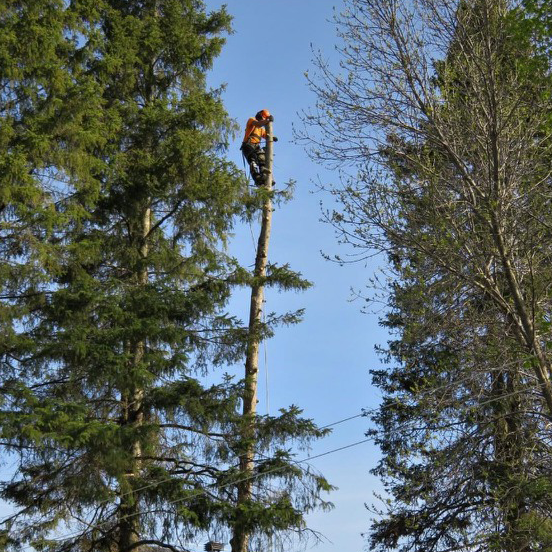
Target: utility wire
[(366, 413), (400, 427), (168, 479), (298, 462), (343, 420), (255, 476), (214, 486)]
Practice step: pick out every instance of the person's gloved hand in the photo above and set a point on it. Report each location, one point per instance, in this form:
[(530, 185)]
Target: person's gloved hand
[(270, 118), (275, 139)]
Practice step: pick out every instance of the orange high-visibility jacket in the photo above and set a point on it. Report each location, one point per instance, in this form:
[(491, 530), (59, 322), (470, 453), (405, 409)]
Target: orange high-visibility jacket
[(253, 134)]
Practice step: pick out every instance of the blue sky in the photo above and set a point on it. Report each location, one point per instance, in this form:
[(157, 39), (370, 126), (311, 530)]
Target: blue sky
[(321, 365)]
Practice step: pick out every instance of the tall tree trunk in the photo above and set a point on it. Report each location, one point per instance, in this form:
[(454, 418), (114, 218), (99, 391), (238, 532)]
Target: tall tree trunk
[(525, 316), (241, 534), (509, 454), (134, 415)]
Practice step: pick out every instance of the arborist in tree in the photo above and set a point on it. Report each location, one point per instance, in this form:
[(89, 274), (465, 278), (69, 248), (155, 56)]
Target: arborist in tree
[(251, 147)]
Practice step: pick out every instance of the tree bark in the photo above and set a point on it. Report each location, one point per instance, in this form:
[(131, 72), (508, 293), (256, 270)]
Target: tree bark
[(134, 415), (241, 532)]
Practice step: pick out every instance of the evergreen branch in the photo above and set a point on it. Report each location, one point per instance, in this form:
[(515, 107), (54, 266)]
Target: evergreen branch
[(204, 467), (210, 434), (164, 218), (155, 542)]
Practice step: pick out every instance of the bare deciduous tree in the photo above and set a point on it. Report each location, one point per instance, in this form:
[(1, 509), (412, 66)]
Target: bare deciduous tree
[(442, 108), (443, 86)]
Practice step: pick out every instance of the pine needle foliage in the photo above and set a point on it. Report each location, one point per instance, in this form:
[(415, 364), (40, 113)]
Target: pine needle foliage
[(116, 208)]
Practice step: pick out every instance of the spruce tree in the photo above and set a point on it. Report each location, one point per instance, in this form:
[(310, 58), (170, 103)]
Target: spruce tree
[(116, 278), (133, 308)]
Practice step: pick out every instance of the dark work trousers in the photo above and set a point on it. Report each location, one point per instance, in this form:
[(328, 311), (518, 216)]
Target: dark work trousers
[(255, 157)]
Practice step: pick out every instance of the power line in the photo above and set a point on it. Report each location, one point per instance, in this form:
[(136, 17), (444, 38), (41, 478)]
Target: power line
[(268, 472), (255, 476), (366, 413), (168, 479), (214, 486), (343, 420), (298, 462)]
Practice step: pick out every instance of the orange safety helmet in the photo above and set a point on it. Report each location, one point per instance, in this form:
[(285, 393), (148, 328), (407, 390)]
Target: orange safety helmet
[(263, 114)]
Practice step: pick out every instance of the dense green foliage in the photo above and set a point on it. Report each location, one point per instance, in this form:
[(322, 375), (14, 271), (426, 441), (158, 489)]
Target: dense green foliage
[(117, 206)]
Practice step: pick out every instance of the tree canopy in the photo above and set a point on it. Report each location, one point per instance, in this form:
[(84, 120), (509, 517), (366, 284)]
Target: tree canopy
[(443, 110), (117, 204)]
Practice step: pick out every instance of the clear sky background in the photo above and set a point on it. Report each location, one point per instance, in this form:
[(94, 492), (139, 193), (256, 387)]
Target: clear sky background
[(322, 365)]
